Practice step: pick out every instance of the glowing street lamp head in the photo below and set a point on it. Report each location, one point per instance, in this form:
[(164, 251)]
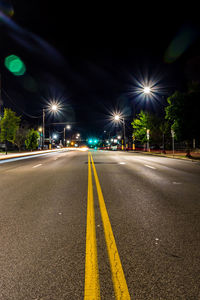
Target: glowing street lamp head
[(147, 90), (54, 107), (116, 117), (68, 127), (55, 136)]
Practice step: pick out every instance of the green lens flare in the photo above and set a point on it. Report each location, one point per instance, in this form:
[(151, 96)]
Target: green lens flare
[(15, 65)]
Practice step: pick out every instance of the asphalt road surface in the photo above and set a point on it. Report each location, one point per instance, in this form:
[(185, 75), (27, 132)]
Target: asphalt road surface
[(99, 225)]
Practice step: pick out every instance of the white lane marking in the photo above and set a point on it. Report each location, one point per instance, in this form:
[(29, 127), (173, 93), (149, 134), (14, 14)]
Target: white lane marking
[(150, 167), (122, 163), (174, 182), (37, 166)]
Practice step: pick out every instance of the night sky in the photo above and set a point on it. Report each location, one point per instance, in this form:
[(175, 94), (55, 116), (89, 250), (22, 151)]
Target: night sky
[(89, 57)]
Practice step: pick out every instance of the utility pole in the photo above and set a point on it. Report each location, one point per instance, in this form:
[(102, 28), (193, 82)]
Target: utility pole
[(64, 144), (134, 116), (124, 133)]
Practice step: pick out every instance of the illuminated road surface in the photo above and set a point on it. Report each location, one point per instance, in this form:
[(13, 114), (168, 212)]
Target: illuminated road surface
[(105, 225)]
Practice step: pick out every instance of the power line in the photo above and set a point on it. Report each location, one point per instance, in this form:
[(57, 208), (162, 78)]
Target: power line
[(59, 131), (18, 107)]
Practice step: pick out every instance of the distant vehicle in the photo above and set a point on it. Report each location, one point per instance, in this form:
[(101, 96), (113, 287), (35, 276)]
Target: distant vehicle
[(113, 147)]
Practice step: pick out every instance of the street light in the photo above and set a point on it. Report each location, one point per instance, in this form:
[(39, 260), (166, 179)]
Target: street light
[(68, 127), (40, 131), (118, 117), (53, 107), (77, 135), (147, 90)]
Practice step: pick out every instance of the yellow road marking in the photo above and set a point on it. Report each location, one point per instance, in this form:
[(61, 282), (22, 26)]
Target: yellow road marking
[(118, 278), (92, 286)]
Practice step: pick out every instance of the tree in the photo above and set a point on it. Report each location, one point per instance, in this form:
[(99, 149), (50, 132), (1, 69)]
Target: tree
[(31, 141), (9, 125), (146, 121), (140, 126), (20, 137), (183, 114)]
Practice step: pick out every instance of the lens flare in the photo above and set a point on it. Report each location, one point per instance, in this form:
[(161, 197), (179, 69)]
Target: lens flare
[(15, 65), (181, 42), (30, 41)]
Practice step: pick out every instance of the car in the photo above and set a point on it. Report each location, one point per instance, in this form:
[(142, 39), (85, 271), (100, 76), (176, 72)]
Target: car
[(113, 147)]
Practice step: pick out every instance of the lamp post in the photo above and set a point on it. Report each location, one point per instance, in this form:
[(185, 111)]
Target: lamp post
[(119, 118), (64, 144), (68, 127), (146, 90), (40, 131), (43, 128), (78, 137), (52, 108)]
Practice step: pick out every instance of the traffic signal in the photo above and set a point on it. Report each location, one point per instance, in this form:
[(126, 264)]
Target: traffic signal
[(92, 141)]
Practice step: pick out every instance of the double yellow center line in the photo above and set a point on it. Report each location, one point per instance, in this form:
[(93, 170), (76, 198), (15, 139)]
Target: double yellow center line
[(92, 286)]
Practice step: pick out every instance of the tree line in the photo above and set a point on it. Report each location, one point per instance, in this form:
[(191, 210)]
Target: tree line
[(13, 131)]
